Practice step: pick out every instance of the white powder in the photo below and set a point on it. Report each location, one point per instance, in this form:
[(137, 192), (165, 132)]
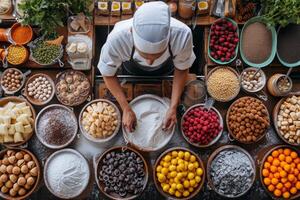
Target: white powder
[(150, 115), (67, 174)]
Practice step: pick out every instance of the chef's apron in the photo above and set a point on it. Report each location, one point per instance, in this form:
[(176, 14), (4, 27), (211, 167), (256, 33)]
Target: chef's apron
[(132, 67)]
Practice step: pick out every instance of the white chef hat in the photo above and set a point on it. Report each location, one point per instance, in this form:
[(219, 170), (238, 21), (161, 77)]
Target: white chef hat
[(151, 27)]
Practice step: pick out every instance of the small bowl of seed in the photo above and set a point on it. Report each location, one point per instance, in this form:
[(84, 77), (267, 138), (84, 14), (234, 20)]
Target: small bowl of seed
[(252, 79)]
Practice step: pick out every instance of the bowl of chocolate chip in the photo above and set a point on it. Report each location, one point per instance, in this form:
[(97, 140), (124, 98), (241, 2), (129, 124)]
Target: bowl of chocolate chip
[(121, 173), (72, 88), (56, 126), (12, 80)]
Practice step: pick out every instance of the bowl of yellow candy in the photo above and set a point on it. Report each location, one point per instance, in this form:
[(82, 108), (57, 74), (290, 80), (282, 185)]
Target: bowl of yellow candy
[(179, 173)]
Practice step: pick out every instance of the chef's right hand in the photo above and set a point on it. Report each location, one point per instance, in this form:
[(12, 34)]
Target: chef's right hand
[(129, 119)]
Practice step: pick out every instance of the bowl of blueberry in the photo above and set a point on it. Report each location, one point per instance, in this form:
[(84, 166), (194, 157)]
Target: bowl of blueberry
[(121, 173)]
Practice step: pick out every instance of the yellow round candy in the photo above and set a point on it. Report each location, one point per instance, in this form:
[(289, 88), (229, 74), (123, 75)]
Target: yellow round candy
[(181, 154), (180, 161), (186, 193), (166, 188), (164, 171), (158, 168), (180, 167), (187, 155), (193, 158), (184, 174), (186, 184), (174, 154), (191, 167), (179, 175), (172, 168), (178, 194), (176, 180), (161, 178), (198, 179), (167, 158), (173, 174), (171, 191), (191, 189), (179, 186), (174, 161), (192, 183), (196, 164), (199, 171), (166, 164), (173, 186), (161, 163), (191, 175)]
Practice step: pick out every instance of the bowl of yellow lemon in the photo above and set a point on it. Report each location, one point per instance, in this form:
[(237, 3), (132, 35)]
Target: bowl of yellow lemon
[(179, 173)]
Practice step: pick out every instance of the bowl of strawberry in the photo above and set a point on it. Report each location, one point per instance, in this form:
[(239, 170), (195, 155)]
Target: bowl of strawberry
[(223, 41), (201, 127)]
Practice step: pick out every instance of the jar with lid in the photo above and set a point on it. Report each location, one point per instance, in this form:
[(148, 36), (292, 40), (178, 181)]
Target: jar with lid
[(279, 85), (186, 8)]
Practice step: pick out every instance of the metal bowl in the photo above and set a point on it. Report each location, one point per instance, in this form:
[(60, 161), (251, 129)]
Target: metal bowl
[(264, 79), (215, 139), (87, 135), (22, 83), (125, 133), (72, 115)]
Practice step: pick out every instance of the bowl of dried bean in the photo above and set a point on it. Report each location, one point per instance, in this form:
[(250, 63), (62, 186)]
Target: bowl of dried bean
[(39, 89), (201, 127), (286, 117), (223, 84), (12, 80), (100, 120), (247, 120), (121, 173)]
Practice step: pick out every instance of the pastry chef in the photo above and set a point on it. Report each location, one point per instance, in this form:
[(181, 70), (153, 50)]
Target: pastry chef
[(152, 43)]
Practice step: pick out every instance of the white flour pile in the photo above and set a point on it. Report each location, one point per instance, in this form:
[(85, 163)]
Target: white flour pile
[(150, 114)]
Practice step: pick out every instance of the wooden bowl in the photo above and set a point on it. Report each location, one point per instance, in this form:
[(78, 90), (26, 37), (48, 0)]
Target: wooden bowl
[(87, 135), (36, 101), (16, 25), (232, 70), (297, 196), (275, 114), (230, 131), (22, 83), (212, 157), (100, 184), (215, 139), (6, 196), (156, 182), (15, 99), (25, 57)]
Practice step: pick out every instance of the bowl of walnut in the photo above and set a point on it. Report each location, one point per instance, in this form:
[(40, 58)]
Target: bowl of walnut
[(100, 120), (20, 173)]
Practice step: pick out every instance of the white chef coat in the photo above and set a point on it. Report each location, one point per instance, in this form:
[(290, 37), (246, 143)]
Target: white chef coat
[(119, 44)]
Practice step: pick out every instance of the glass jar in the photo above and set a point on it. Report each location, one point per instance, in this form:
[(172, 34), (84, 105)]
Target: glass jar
[(186, 8)]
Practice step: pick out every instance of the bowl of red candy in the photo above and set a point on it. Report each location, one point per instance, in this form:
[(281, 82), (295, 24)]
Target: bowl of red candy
[(223, 41), (201, 127)]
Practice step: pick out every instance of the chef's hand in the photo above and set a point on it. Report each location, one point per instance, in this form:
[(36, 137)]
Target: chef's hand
[(129, 119), (170, 119)]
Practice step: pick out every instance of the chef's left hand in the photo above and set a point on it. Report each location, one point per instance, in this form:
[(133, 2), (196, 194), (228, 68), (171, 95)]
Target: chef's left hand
[(170, 119)]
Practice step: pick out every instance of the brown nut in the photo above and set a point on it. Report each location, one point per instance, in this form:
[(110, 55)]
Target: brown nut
[(27, 176), (9, 169), (16, 187), (27, 157), (16, 170), (13, 178), (19, 155), (9, 184), (30, 181), (1, 184), (27, 186), (3, 178), (24, 169), (22, 192), (34, 171), (21, 162), (3, 168), (10, 152), (4, 189), (5, 161), (31, 164), (21, 181), (12, 159), (12, 192)]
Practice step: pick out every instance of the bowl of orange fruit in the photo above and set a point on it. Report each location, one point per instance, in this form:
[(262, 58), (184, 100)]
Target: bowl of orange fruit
[(280, 172)]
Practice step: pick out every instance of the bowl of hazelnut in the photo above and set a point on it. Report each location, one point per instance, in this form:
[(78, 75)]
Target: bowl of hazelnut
[(12, 80), (20, 173)]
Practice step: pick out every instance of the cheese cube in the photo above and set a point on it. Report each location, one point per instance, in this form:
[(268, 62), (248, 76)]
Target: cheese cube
[(8, 138), (11, 129), (11, 114), (3, 129), (26, 110), (5, 119), (19, 127), (9, 106), (21, 105), (27, 129), (18, 137), (23, 118)]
